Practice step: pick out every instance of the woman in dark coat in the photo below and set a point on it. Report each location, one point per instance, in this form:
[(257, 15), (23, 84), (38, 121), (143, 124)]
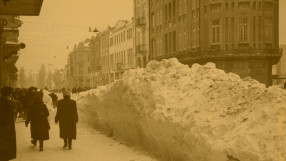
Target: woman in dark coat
[(67, 117), (7, 126), (38, 116)]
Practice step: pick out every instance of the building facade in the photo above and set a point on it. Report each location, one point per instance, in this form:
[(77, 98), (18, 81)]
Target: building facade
[(94, 63), (141, 31), (9, 46), (121, 50), (238, 36), (102, 59), (9, 31), (78, 72), (279, 70), (104, 56)]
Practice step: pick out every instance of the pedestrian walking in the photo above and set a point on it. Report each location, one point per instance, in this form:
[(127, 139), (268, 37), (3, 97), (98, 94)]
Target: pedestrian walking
[(28, 100), (18, 108), (67, 117), (7, 126), (54, 99), (38, 118)]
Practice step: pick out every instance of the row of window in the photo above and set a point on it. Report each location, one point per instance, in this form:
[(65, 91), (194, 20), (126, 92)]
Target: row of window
[(181, 39), (268, 6), (129, 34), (243, 30), (169, 11), (170, 42), (121, 37), (119, 57)]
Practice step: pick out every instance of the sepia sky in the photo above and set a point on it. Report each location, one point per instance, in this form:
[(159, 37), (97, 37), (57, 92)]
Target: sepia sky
[(62, 23)]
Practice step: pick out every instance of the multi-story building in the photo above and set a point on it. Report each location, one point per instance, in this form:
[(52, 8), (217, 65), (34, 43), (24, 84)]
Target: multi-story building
[(94, 62), (78, 66), (141, 31), (104, 56), (238, 36), (70, 71), (121, 51)]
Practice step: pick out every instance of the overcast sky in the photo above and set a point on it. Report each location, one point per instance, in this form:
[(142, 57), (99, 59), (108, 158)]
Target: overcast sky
[(63, 23)]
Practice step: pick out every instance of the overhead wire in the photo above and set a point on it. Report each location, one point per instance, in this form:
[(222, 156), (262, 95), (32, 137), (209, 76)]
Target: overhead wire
[(60, 25), (62, 34)]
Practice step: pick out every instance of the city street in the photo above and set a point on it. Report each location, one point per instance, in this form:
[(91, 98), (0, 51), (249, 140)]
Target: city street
[(89, 146), (143, 80)]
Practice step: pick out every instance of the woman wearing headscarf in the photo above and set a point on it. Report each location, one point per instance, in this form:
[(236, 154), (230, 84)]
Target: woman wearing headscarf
[(38, 117), (7, 126)]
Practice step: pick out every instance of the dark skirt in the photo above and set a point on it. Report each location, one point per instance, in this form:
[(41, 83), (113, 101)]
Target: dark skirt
[(39, 130)]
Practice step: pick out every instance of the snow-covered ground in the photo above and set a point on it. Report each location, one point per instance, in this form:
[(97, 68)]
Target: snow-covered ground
[(190, 114), (89, 146)]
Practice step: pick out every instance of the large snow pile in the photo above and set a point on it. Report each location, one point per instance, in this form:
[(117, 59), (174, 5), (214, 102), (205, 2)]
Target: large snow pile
[(191, 114)]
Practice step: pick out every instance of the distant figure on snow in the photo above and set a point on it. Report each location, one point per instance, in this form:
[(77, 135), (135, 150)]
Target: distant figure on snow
[(7, 126), (67, 117), (18, 108), (38, 117), (28, 100), (74, 90), (54, 99)]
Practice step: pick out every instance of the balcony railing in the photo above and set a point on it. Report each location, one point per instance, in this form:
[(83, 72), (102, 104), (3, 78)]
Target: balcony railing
[(243, 52), (141, 48), (141, 21), (217, 54)]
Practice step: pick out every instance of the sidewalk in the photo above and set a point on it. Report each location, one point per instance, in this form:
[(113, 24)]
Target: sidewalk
[(89, 146)]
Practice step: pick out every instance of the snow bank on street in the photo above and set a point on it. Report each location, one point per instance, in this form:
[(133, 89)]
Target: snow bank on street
[(190, 114)]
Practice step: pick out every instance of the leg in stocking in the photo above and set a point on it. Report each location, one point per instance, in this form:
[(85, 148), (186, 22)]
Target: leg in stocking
[(41, 145), (70, 143), (65, 143)]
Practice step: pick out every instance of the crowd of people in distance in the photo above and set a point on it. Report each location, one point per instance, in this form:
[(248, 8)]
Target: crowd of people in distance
[(28, 104)]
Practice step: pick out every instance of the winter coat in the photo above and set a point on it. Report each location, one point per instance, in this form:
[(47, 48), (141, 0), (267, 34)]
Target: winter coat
[(38, 117), (7, 130), (28, 100), (67, 117)]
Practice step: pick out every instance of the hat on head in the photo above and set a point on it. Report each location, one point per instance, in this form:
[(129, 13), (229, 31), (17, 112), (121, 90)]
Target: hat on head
[(66, 93)]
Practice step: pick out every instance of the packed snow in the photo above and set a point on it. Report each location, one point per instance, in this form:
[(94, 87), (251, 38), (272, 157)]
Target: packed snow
[(90, 145), (190, 114)]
